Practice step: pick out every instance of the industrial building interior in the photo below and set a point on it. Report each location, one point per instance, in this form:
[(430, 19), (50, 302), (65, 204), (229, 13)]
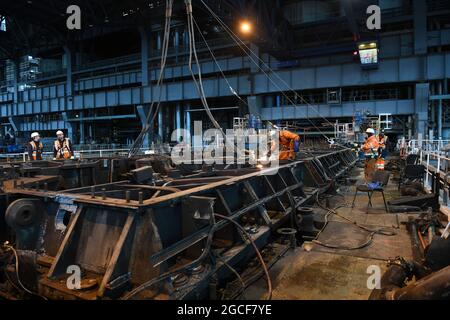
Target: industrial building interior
[(224, 150)]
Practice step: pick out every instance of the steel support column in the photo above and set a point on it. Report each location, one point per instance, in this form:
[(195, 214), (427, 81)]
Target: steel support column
[(68, 125), (82, 135), (161, 124), (254, 102), (69, 73), (13, 124), (158, 41), (145, 51), (420, 27), (176, 43), (439, 111), (421, 107), (187, 118), (178, 124), (143, 117), (15, 64)]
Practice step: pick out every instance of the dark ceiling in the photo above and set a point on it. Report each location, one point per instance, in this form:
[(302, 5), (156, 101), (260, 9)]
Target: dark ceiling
[(41, 24)]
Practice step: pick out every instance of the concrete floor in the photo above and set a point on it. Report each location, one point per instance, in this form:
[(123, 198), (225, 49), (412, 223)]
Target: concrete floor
[(315, 272)]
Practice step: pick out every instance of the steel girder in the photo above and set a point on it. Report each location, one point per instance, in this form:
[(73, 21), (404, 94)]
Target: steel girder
[(124, 234)]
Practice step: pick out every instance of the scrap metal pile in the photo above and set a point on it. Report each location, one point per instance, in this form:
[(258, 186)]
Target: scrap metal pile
[(140, 228), (425, 276)]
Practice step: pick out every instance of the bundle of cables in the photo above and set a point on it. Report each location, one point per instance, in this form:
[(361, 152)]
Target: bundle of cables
[(206, 253), (153, 112), (22, 287), (265, 68), (371, 232)]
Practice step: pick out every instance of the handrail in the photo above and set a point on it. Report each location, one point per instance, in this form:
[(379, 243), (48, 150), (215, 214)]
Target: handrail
[(426, 144), (436, 165), (81, 154)]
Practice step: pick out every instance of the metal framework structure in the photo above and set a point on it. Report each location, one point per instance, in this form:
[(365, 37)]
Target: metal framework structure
[(48, 18), (94, 88), (176, 234)]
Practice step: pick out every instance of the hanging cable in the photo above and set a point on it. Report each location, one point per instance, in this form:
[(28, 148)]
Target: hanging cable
[(150, 118), (239, 41), (193, 55), (232, 90), (198, 80), (244, 47), (234, 271)]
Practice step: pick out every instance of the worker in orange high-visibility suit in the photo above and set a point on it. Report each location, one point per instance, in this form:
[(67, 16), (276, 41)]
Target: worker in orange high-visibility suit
[(370, 149), (289, 145), (381, 151), (382, 140)]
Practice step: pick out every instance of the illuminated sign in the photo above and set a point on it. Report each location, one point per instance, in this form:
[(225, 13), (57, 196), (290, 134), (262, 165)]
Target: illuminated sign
[(368, 55)]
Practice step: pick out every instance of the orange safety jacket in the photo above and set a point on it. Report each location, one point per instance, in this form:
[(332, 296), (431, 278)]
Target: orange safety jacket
[(380, 164), (382, 142), (62, 151), (370, 147), (287, 141), (35, 152)]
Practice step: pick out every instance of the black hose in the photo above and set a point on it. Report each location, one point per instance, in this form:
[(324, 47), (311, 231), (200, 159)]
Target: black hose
[(166, 275), (371, 232), (263, 264)]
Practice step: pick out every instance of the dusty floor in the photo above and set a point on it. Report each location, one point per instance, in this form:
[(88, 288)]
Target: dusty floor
[(317, 272)]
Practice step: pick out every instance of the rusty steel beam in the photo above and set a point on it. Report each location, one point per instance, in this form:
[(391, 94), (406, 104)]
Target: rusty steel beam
[(125, 234)]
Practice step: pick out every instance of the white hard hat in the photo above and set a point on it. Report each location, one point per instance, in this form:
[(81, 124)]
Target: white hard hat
[(34, 134), (370, 130), (59, 132)]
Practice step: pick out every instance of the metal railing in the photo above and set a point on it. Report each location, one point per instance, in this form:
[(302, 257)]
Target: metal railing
[(79, 154), (93, 147), (427, 145), (437, 165), (434, 163)]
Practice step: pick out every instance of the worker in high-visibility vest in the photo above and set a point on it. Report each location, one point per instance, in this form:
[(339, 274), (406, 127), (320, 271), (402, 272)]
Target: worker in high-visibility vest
[(370, 149), (62, 147), (289, 145), (35, 147), (382, 139)]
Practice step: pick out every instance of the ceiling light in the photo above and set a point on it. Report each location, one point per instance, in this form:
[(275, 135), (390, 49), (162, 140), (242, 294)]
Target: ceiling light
[(246, 27)]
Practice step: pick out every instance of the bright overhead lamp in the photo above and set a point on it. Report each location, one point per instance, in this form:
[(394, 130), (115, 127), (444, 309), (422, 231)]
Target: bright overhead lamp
[(246, 27)]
